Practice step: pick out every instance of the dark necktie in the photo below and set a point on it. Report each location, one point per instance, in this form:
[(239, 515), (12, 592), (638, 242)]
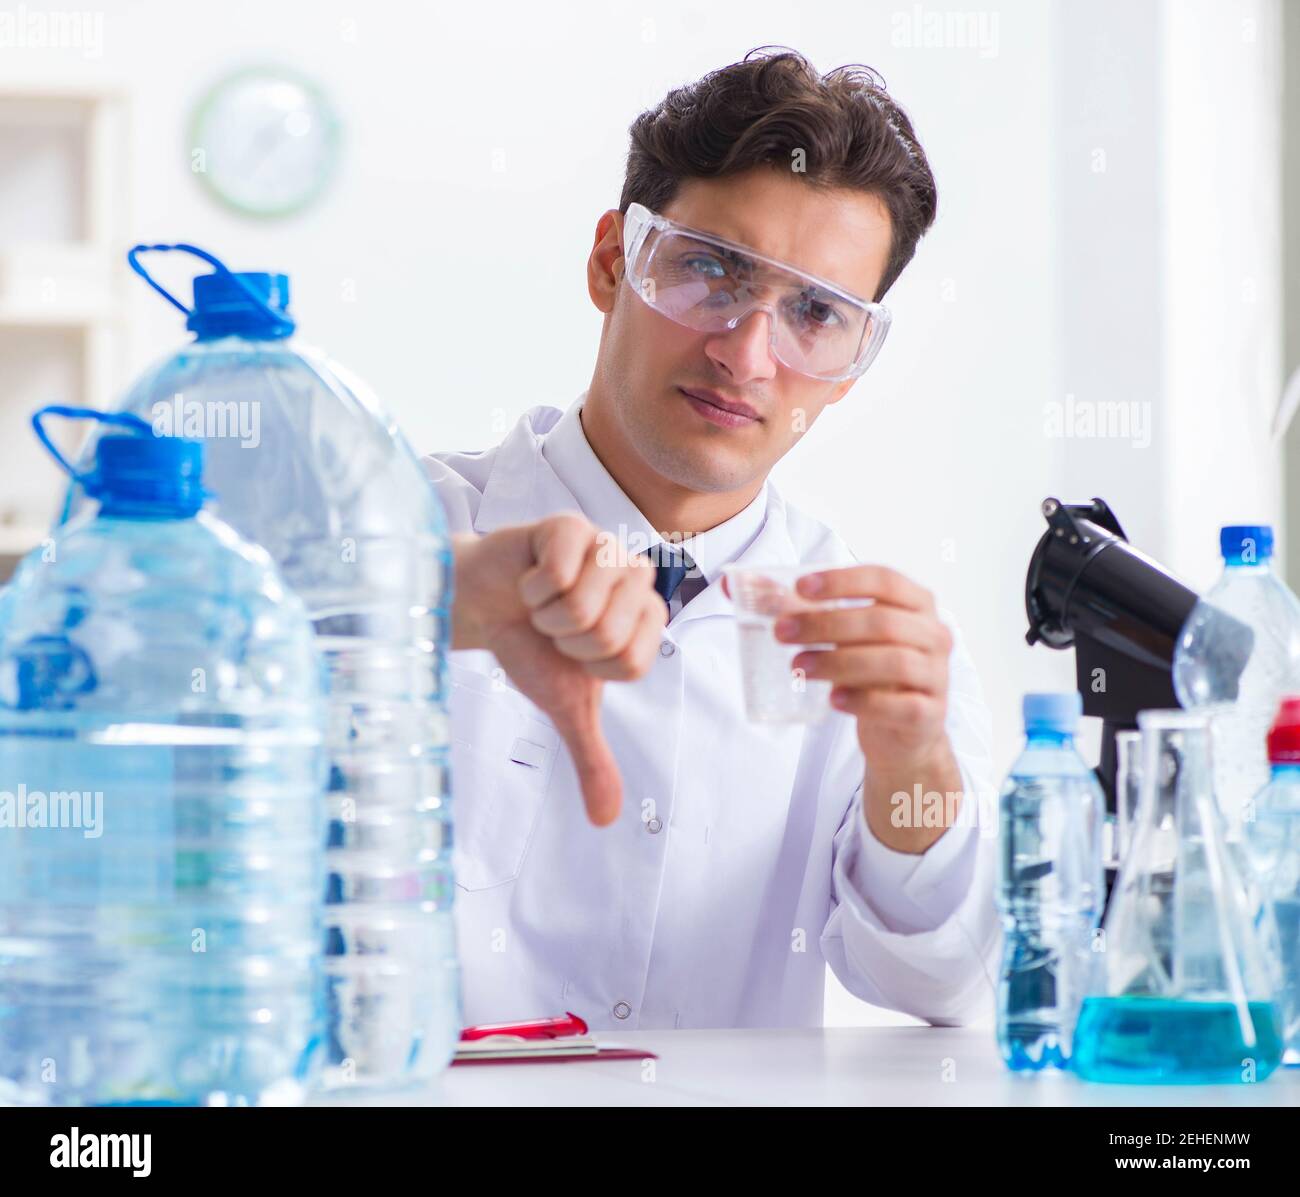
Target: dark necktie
[(671, 566)]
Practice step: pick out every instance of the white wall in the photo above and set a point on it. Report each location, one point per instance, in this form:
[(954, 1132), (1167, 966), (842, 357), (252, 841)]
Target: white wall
[(1222, 179), (938, 461)]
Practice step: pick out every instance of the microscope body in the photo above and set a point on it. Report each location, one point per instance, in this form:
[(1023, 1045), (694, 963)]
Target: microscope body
[(1122, 613)]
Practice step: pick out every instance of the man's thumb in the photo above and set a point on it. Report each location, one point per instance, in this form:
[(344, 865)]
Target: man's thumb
[(602, 787)]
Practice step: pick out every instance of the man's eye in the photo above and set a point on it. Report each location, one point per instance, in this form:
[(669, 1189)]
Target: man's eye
[(703, 264), (818, 314)]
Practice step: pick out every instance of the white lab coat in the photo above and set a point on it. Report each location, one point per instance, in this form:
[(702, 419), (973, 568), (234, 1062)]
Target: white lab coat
[(740, 864)]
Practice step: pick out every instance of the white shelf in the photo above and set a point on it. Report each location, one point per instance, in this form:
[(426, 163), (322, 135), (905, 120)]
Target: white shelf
[(64, 224), (74, 282), (67, 272), (54, 316)]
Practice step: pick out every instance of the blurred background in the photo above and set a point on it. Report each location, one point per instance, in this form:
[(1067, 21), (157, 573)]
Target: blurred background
[(1108, 305)]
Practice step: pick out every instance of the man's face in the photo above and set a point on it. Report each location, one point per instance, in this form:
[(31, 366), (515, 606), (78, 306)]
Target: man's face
[(660, 376)]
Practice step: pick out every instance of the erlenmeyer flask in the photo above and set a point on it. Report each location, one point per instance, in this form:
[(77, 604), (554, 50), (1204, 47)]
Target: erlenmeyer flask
[(1128, 786), (1184, 986)]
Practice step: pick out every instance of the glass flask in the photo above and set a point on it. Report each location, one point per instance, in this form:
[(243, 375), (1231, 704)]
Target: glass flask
[(1128, 781), (1184, 985)]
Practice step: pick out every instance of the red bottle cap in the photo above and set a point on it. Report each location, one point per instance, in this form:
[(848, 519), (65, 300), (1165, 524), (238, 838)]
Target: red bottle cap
[(1284, 736)]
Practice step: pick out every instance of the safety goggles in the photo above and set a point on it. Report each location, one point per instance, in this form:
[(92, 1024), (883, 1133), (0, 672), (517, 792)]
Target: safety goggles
[(708, 284)]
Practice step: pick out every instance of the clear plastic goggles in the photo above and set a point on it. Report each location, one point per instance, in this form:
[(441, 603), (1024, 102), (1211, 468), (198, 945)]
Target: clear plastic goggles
[(708, 284)]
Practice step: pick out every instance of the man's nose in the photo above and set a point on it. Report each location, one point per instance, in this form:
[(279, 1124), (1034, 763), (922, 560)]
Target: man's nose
[(744, 352)]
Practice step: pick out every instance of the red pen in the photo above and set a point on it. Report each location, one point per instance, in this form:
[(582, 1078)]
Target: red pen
[(538, 1028)]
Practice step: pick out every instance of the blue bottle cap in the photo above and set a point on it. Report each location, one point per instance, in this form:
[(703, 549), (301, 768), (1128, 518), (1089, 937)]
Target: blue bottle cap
[(1246, 543), (223, 308), (147, 476), (1052, 712)]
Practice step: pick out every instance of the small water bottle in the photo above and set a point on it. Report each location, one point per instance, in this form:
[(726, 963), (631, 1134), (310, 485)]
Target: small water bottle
[(1272, 825), (1206, 676), (1051, 886), (162, 723)]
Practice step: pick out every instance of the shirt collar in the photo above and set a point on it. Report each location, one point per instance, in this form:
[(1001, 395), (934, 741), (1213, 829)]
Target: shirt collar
[(570, 455)]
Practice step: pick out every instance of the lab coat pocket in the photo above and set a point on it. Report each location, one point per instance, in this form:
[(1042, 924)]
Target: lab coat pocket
[(502, 757)]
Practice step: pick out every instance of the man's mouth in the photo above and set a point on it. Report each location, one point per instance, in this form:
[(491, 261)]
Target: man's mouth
[(718, 409)]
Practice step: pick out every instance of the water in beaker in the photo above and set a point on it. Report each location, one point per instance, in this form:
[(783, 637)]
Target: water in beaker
[(1184, 986)]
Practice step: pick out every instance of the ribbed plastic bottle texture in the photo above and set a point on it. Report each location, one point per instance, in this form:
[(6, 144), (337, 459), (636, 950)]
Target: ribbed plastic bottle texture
[(1273, 842), (305, 463), (162, 722)]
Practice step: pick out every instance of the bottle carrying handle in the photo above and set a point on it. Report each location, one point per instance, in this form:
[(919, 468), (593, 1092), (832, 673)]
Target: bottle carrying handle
[(133, 260), (116, 419)]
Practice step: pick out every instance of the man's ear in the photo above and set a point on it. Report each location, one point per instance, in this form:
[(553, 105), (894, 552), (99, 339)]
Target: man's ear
[(841, 389), (605, 265)]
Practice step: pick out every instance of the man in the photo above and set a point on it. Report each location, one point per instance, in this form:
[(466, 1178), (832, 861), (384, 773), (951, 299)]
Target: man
[(766, 210)]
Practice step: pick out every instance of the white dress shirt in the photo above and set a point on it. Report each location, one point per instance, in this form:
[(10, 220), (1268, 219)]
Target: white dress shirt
[(741, 863), (568, 452)]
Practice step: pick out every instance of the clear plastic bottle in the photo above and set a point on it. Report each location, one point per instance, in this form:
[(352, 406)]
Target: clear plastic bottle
[(1205, 672), (1273, 841), (306, 464), (1051, 886), (162, 722)]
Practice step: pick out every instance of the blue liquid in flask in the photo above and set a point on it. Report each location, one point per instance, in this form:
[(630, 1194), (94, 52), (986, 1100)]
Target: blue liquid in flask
[(1151, 1040)]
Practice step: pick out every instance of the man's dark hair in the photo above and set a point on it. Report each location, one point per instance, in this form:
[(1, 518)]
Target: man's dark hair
[(760, 111)]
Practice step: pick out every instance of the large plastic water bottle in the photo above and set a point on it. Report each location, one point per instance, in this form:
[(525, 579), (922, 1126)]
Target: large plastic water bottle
[(162, 722), (1051, 886), (307, 465), (1273, 841), (1243, 707)]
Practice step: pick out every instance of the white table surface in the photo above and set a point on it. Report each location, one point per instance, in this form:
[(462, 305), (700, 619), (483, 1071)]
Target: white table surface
[(956, 1066)]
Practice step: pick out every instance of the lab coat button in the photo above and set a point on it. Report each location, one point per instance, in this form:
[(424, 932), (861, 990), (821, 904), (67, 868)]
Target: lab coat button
[(622, 1010), (667, 648), (654, 826)]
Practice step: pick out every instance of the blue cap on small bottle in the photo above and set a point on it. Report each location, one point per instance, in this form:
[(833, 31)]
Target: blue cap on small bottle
[(1246, 543), (1057, 712)]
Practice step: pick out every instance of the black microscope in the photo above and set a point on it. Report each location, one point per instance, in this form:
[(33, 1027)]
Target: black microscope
[(1123, 614)]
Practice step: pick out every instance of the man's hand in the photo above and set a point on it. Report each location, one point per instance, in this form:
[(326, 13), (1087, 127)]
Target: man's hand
[(889, 669), (562, 613)]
